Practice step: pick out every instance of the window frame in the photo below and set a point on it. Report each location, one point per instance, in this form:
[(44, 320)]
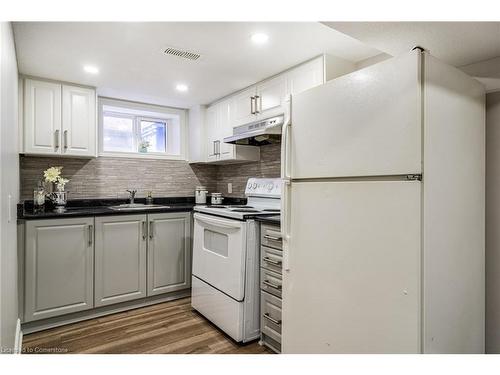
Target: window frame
[(146, 115)]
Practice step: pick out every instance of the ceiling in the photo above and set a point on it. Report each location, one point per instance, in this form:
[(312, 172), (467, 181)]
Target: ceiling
[(472, 46), (132, 66), (457, 43)]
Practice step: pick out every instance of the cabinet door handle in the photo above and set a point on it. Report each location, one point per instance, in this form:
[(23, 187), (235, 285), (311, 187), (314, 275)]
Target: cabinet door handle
[(252, 105), (268, 317), (91, 234), (257, 97), (268, 237), (272, 261), (151, 229), (144, 230), (56, 139), (218, 148), (270, 284), (214, 148), (65, 139)]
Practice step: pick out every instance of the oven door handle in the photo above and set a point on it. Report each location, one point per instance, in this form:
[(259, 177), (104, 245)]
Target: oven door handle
[(232, 224)]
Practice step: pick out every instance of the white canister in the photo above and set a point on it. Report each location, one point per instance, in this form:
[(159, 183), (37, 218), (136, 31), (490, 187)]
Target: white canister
[(217, 198), (200, 195)]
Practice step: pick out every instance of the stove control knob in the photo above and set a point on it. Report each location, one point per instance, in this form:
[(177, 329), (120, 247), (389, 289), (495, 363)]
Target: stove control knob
[(254, 186), (270, 187)]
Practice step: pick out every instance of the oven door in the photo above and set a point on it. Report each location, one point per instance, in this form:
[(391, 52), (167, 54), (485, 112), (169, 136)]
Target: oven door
[(219, 251)]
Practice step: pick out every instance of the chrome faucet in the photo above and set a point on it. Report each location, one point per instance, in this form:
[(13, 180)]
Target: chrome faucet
[(132, 195)]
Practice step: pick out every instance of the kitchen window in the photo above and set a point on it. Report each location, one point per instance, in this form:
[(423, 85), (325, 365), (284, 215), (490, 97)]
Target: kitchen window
[(129, 129)]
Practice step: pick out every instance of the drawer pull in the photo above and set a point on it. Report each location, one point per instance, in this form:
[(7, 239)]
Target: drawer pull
[(272, 261), (275, 321), (272, 238), (268, 283)]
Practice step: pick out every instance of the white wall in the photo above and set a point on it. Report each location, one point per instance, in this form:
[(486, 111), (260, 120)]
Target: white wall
[(9, 187), (493, 222), (372, 60)]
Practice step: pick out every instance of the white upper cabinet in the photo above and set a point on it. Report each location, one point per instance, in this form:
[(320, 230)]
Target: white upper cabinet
[(59, 119), (271, 96), (243, 107), (217, 127), (258, 102), (211, 133), (306, 76), (78, 121), (225, 150), (42, 117)]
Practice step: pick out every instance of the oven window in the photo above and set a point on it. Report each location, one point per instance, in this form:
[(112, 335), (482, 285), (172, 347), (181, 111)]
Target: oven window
[(216, 242)]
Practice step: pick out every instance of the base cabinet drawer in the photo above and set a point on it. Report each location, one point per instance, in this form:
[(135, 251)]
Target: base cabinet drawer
[(270, 320), (271, 259), (270, 282), (270, 236)]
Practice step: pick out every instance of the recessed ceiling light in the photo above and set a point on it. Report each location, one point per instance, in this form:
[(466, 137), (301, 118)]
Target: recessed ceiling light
[(91, 69), (181, 87), (260, 38)]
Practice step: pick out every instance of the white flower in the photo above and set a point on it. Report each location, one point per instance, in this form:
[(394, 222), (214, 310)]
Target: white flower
[(61, 182), (52, 174)]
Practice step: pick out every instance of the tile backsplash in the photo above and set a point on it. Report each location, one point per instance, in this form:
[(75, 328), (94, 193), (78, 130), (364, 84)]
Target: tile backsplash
[(107, 177), (238, 174)]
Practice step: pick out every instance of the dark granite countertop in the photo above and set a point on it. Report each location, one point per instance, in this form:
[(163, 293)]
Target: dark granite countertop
[(275, 219), (102, 207)]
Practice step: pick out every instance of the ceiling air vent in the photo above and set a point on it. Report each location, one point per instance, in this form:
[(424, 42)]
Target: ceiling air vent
[(180, 53)]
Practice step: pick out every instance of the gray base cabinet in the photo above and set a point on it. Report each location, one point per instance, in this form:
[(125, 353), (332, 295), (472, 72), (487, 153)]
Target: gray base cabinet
[(79, 264), (58, 267), (271, 271), (169, 252), (120, 258)]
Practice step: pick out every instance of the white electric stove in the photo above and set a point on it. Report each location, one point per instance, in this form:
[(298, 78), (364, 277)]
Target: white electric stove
[(263, 198), (225, 281)]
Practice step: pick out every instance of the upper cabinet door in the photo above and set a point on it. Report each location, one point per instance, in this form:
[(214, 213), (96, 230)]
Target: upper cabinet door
[(211, 133), (244, 107), (306, 76), (271, 96), (42, 117), (225, 150), (78, 121)]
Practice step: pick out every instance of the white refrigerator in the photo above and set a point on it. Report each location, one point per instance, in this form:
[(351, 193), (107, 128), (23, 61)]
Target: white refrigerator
[(383, 212)]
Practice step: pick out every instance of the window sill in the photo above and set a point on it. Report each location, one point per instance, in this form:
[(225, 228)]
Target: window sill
[(141, 156)]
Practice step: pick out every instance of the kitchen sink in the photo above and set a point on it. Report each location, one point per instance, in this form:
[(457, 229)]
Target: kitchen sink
[(137, 206)]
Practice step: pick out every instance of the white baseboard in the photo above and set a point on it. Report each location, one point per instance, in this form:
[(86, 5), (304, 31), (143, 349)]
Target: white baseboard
[(18, 343)]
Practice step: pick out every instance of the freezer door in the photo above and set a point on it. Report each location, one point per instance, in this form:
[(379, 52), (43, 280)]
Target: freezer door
[(353, 284), (367, 123)]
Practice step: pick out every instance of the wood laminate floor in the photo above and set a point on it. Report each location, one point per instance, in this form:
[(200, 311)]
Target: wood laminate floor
[(170, 327)]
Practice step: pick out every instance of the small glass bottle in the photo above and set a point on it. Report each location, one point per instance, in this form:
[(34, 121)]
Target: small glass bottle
[(149, 198)]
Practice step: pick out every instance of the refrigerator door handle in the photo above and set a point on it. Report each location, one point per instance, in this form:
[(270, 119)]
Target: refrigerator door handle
[(285, 148), (285, 222)]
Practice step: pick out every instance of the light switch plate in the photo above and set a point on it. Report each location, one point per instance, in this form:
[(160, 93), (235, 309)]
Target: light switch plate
[(229, 187)]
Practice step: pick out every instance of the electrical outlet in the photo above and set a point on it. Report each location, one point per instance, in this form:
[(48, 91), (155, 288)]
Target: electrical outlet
[(229, 187)]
